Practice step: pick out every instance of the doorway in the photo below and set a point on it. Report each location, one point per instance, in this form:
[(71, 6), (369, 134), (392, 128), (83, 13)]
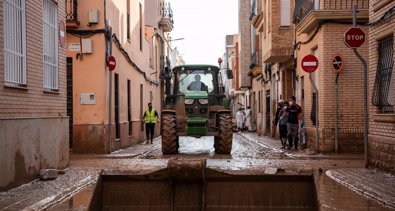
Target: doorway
[(69, 84)]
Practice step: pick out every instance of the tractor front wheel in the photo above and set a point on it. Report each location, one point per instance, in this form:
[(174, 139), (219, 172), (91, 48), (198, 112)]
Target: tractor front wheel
[(169, 136), (223, 142)]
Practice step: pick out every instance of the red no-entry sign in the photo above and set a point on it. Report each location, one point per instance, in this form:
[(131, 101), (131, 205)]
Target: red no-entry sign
[(354, 37), (111, 63), (309, 63)]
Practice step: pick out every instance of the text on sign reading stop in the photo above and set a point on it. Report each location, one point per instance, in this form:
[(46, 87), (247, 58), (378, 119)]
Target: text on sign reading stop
[(355, 37)]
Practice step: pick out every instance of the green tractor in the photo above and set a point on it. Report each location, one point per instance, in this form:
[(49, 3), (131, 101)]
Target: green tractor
[(195, 105)]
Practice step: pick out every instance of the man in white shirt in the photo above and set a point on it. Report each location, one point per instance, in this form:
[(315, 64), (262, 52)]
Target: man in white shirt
[(248, 118), (240, 119)]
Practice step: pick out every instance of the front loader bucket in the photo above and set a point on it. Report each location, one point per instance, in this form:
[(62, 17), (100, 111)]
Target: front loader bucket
[(189, 185)]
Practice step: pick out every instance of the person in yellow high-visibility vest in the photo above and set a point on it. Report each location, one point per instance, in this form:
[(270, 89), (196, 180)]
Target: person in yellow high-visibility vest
[(150, 118)]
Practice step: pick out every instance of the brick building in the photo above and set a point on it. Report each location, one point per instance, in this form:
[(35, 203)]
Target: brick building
[(272, 64), (382, 84), (320, 27), (33, 119), (138, 41), (242, 80)]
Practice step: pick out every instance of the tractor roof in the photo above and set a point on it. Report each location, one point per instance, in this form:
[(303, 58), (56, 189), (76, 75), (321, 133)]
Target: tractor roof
[(195, 66)]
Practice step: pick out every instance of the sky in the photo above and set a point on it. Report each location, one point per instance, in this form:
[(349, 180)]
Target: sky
[(203, 24)]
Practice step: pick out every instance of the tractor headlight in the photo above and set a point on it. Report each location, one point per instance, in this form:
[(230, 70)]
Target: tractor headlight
[(203, 101), (189, 101)]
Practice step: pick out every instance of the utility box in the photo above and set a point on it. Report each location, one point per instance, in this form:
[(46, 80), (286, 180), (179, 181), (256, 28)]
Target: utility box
[(86, 45), (88, 99), (93, 16)]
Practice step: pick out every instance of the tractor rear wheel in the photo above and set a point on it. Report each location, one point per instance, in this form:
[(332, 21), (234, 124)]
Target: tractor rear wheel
[(223, 142), (169, 136)]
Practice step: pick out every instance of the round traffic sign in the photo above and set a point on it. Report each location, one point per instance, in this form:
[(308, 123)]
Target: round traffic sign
[(338, 63), (309, 63), (111, 63), (354, 37)]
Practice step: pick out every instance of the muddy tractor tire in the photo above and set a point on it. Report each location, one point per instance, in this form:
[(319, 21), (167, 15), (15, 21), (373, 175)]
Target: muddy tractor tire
[(169, 136), (223, 142)]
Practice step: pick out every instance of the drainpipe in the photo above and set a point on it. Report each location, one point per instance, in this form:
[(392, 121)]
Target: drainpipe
[(107, 54)]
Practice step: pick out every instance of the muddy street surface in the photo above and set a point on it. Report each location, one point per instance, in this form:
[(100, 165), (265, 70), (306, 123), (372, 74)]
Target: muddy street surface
[(251, 155)]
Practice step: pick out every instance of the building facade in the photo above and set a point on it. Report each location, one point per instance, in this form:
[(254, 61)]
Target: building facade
[(33, 119), (320, 28), (381, 142), (103, 102), (272, 63)]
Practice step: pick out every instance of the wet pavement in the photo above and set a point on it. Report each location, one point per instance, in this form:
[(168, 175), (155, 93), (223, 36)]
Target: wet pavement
[(346, 186)]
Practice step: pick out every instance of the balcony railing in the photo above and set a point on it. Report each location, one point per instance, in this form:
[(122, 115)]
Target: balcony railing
[(256, 58), (166, 21), (304, 7), (71, 10), (166, 11)]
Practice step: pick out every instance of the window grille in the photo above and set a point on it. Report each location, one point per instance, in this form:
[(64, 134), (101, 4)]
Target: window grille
[(383, 91), (50, 42), (14, 42)]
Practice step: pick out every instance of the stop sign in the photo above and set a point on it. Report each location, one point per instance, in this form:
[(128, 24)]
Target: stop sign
[(309, 63), (354, 37), (111, 63)]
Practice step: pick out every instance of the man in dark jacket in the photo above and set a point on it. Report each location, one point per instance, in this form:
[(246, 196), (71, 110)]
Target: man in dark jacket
[(293, 111)]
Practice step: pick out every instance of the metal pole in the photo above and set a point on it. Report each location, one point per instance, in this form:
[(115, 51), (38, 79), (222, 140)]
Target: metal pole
[(316, 114), (337, 113), (109, 49), (365, 90)]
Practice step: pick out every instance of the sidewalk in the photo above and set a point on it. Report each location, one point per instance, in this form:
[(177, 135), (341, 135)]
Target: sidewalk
[(371, 183)]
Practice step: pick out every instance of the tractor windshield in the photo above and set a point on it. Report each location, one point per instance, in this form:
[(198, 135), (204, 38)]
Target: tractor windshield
[(196, 80)]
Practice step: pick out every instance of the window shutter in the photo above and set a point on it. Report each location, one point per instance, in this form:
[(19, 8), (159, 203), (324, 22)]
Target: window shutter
[(285, 9), (14, 42), (50, 42)]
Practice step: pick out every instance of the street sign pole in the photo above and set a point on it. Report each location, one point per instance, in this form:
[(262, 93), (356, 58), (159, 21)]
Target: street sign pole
[(337, 113), (365, 89), (310, 64), (338, 66)]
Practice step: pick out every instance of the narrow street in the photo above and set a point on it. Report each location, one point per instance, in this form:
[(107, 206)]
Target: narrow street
[(251, 155), (123, 105)]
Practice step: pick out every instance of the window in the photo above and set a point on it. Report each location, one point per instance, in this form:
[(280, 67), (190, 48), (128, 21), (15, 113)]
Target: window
[(197, 80), (50, 42), (384, 85), (285, 9), (128, 20), (14, 42)]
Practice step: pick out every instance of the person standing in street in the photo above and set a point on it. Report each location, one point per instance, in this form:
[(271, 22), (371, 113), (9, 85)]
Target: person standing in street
[(248, 122), (282, 125), (293, 111), (150, 118), (239, 119)]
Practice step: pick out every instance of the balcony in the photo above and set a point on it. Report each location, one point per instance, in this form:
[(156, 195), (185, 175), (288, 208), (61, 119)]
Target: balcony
[(71, 14), (256, 63), (166, 22), (309, 13)]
